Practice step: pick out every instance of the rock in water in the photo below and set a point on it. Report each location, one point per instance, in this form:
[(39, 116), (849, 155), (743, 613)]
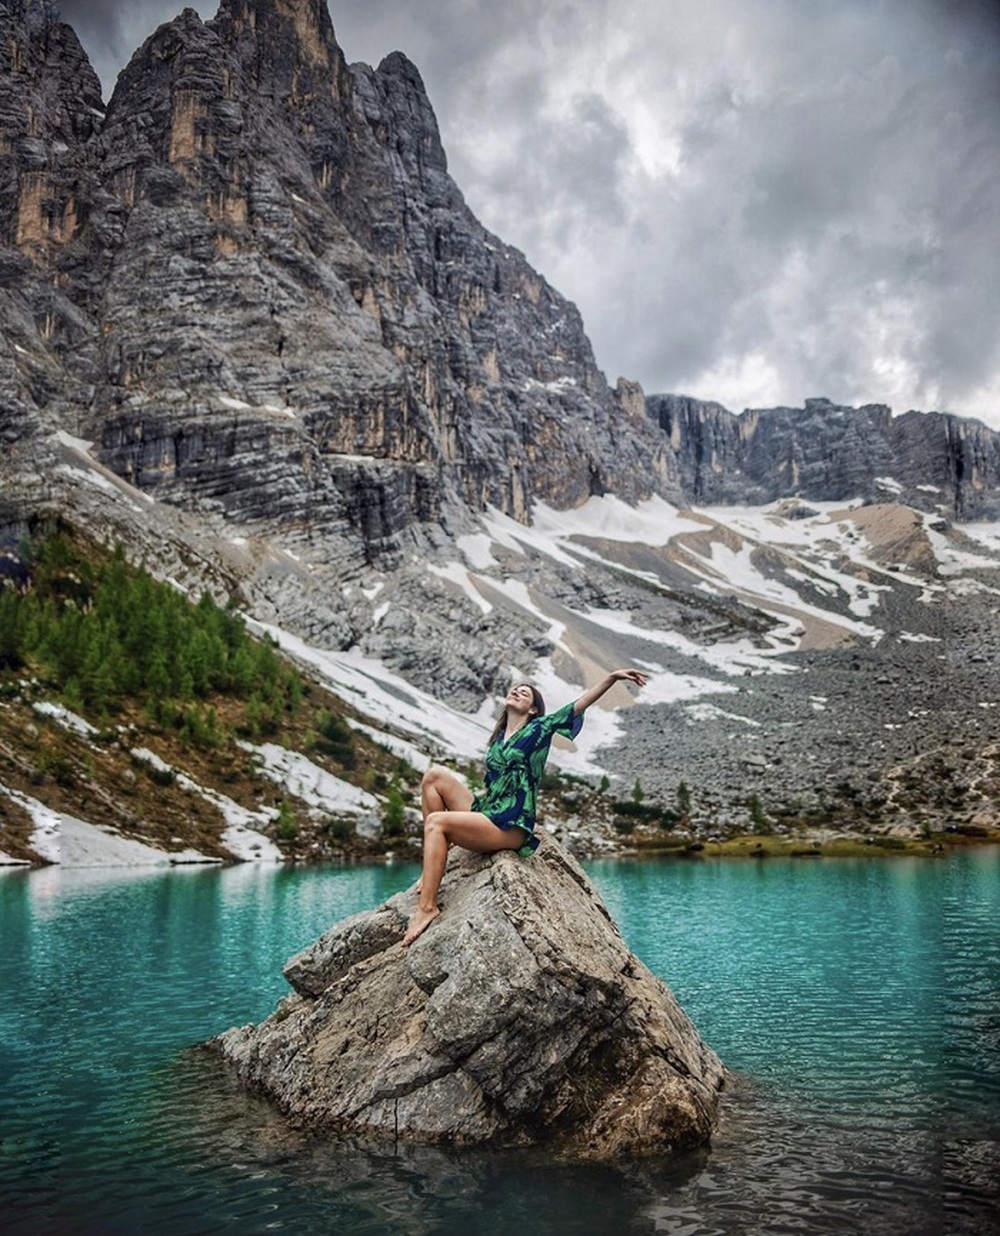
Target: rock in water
[(520, 1016)]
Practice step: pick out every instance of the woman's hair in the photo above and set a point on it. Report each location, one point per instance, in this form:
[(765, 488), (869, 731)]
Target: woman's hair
[(538, 704)]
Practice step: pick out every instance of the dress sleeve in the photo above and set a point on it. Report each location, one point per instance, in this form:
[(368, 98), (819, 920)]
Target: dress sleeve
[(564, 721)]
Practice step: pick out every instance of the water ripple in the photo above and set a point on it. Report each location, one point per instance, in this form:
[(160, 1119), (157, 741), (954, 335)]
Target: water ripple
[(856, 1003)]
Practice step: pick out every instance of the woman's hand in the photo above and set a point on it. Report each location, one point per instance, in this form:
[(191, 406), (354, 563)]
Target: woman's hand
[(639, 677)]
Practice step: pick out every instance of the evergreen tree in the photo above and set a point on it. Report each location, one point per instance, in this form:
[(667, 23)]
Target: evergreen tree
[(394, 816)]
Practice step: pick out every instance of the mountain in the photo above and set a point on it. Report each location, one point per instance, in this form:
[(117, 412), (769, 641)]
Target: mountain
[(825, 452), (258, 253), (251, 331)]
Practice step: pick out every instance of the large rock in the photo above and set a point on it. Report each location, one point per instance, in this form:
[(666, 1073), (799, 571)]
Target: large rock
[(520, 1016)]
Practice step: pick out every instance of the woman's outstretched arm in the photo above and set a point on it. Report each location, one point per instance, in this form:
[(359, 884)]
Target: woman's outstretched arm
[(639, 677)]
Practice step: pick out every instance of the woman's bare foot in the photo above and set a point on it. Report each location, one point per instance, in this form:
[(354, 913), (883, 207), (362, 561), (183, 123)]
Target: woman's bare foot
[(420, 920)]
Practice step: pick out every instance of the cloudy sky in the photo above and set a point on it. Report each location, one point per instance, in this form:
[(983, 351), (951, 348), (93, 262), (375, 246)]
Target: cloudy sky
[(752, 201)]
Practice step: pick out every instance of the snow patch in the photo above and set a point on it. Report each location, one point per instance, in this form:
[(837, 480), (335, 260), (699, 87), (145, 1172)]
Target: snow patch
[(240, 837), (88, 477), (987, 534), (384, 696), (307, 781), (63, 839), (69, 720), (712, 712), (952, 560), (652, 522), (476, 548), (457, 573), (75, 444), (557, 386), (416, 758), (737, 658)]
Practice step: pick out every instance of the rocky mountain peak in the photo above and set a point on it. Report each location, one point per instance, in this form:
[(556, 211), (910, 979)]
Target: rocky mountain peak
[(259, 254), (35, 13), (50, 103), (403, 88), (286, 48)]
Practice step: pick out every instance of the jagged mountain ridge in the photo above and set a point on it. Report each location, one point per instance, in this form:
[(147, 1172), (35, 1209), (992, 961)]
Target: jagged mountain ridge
[(825, 452), (258, 251)]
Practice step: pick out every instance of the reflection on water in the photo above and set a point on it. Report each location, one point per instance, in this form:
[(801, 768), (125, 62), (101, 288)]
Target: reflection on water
[(857, 1003)]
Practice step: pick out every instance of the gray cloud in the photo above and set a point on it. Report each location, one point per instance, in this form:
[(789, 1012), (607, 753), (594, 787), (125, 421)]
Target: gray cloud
[(750, 200)]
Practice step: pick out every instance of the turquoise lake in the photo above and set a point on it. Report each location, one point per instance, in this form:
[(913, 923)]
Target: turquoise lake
[(856, 1002)]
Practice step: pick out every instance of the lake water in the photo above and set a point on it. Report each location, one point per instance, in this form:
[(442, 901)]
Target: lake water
[(857, 1002)]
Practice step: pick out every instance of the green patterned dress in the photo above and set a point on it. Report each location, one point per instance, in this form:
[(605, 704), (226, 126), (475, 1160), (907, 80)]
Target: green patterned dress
[(514, 767)]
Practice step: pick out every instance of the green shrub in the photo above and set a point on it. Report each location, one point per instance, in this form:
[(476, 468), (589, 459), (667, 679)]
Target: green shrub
[(340, 830), (637, 811), (159, 776), (288, 825), (394, 816), (334, 739), (758, 817)]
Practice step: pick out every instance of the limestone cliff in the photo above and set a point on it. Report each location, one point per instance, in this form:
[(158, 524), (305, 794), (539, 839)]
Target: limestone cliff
[(278, 303), (519, 1017), (50, 108), (826, 452)]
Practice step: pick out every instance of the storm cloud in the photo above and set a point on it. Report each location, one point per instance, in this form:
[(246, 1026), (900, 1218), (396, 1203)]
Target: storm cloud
[(752, 201)]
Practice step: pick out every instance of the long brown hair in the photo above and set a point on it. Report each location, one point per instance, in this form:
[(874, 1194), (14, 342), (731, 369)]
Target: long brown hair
[(537, 703)]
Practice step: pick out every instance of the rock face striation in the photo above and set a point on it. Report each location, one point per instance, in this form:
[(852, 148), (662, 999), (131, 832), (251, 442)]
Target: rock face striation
[(519, 1017), (251, 282), (825, 452)]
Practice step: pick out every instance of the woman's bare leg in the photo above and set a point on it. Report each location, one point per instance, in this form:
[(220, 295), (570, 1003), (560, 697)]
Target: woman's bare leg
[(469, 829), (441, 790)]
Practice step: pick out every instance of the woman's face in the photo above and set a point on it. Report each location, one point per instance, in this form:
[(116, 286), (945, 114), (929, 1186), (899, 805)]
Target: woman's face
[(522, 698)]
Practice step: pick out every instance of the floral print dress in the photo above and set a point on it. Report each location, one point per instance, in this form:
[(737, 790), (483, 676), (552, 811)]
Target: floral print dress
[(514, 768)]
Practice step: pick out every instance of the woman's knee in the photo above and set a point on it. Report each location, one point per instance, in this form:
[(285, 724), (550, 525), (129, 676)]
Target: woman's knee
[(441, 788), (433, 777), (436, 823)]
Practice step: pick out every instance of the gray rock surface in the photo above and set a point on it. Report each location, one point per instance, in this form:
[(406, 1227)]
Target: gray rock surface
[(826, 452), (518, 1017), (254, 284)]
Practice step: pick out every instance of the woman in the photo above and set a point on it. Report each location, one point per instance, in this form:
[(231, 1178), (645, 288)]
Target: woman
[(503, 816)]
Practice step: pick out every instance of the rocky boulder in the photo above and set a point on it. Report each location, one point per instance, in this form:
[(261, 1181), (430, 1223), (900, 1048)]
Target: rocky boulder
[(519, 1017)]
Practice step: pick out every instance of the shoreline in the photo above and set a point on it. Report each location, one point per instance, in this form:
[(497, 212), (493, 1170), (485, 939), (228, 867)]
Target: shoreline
[(835, 845), (747, 846)]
